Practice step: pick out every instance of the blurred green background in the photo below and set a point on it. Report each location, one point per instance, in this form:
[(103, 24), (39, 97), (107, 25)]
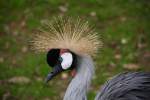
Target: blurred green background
[(123, 24)]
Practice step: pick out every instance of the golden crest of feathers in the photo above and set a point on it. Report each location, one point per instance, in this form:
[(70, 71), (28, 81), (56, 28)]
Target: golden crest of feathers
[(67, 33)]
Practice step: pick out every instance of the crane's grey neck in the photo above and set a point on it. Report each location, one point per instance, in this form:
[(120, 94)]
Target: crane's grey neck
[(79, 85)]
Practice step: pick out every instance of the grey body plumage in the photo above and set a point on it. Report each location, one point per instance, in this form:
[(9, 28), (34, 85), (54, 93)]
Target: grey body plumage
[(127, 86)]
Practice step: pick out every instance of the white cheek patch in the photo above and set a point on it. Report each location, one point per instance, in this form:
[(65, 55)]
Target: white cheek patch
[(67, 60)]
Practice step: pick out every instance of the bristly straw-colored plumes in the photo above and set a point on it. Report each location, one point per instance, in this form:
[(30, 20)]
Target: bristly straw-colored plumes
[(67, 33)]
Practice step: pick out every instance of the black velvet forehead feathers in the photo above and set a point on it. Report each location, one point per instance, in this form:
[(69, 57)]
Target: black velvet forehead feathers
[(52, 57)]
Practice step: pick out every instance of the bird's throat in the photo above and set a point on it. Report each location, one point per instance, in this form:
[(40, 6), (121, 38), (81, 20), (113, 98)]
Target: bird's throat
[(73, 73)]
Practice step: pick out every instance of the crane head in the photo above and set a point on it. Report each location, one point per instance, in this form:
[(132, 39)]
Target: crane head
[(60, 60)]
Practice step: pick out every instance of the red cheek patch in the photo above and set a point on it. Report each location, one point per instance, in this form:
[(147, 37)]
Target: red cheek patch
[(63, 51)]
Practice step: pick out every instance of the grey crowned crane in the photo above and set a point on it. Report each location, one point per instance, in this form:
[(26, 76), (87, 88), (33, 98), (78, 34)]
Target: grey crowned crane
[(70, 45)]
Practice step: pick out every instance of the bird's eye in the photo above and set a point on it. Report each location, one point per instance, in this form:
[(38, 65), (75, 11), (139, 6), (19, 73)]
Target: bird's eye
[(60, 59), (67, 60)]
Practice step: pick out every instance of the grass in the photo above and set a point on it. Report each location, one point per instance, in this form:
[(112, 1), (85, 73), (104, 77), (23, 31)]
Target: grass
[(123, 25)]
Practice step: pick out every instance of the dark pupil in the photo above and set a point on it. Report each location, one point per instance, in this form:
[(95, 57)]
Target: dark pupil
[(60, 59)]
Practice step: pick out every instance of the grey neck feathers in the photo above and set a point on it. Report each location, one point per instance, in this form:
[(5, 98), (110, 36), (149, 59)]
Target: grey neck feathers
[(79, 85)]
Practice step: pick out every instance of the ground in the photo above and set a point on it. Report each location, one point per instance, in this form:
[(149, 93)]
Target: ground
[(122, 24)]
